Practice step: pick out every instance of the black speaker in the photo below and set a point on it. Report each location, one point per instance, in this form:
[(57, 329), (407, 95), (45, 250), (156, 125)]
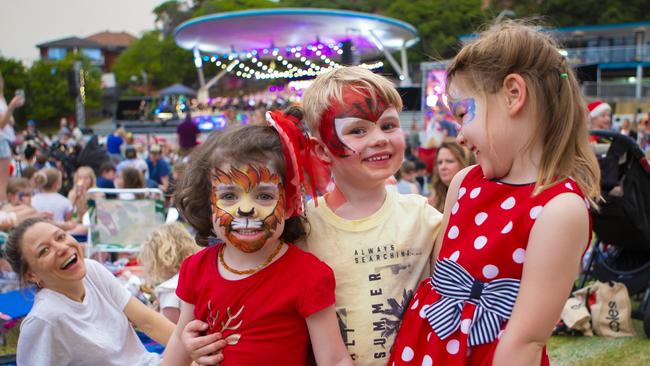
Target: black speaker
[(73, 87), (346, 56)]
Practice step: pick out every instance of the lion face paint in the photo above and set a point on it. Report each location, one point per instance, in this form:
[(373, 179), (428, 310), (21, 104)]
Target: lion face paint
[(355, 106), (247, 205)]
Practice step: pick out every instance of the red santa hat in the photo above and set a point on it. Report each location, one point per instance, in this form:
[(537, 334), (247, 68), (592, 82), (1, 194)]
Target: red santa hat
[(597, 107)]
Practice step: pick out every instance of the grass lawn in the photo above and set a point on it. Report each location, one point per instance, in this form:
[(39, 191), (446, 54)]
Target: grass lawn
[(588, 351), (563, 351)]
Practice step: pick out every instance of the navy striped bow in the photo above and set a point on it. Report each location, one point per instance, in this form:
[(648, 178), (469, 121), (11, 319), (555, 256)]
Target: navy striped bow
[(494, 302)]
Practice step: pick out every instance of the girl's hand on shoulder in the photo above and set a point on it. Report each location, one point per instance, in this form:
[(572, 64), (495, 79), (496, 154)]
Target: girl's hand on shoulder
[(204, 350)]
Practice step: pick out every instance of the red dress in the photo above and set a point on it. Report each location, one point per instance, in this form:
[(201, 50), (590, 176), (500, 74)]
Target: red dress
[(478, 271), (262, 317)]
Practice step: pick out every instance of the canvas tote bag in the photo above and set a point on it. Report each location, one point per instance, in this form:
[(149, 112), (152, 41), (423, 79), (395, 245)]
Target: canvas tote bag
[(610, 308)]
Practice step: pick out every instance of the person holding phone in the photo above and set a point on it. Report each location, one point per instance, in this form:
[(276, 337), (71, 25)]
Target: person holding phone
[(7, 134)]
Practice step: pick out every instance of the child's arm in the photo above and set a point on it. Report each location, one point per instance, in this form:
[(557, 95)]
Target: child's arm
[(187, 344), (326, 338), (450, 200), (150, 321), (551, 265), (171, 313), (175, 353)]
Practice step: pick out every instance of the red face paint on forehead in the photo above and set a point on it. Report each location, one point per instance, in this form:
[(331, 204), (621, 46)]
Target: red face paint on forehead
[(355, 105)]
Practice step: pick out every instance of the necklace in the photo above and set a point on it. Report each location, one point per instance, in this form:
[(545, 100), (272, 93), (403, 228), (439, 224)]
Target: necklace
[(252, 270)]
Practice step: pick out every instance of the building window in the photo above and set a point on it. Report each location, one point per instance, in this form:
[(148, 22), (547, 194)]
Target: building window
[(56, 53), (94, 54)]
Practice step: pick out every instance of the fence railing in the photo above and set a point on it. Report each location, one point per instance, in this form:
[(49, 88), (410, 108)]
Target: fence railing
[(605, 89), (593, 55)]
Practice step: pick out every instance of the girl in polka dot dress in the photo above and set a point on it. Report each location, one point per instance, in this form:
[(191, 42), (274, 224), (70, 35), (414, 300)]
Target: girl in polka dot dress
[(516, 225)]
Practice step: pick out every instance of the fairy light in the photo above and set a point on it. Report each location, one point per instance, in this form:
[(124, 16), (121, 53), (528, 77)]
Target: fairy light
[(290, 60), (82, 86)]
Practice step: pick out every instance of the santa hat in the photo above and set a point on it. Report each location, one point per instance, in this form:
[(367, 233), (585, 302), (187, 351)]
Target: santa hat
[(597, 107)]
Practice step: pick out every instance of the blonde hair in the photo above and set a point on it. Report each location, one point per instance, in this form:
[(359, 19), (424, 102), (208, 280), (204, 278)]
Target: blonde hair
[(16, 184), (164, 250), (85, 170), (516, 47), (47, 178), (328, 89)]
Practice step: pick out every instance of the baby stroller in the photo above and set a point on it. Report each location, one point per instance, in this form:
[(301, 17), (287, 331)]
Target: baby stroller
[(621, 251)]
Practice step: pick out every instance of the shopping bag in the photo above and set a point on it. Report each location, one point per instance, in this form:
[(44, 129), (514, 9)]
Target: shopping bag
[(575, 316), (610, 308)]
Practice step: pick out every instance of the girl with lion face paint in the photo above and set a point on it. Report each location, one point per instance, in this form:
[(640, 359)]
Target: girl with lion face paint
[(255, 296), (247, 206)]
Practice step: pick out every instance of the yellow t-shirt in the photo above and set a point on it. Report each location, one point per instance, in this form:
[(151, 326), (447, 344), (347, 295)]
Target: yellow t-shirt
[(377, 261)]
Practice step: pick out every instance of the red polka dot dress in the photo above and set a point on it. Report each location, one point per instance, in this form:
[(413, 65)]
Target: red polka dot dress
[(457, 316)]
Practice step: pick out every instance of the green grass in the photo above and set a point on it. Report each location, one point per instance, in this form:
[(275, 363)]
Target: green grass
[(12, 341), (592, 351), (563, 350)]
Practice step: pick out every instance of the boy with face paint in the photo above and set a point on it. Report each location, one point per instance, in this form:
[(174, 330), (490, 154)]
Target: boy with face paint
[(378, 243), (254, 296)]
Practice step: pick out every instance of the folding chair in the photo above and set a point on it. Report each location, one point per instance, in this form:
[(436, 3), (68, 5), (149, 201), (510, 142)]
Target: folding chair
[(120, 225)]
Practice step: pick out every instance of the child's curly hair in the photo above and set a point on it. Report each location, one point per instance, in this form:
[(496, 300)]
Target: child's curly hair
[(164, 250), (237, 146)]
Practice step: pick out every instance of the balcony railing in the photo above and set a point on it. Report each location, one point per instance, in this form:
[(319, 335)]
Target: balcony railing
[(613, 54), (605, 89)]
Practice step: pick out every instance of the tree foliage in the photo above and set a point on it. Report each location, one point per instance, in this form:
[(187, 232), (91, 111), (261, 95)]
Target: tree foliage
[(156, 61), (439, 24), (564, 13), (366, 6), (14, 75), (218, 6), (591, 12), (170, 15), (46, 87)]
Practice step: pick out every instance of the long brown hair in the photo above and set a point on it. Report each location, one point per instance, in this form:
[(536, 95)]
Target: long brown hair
[(236, 146), (464, 157), (516, 47)]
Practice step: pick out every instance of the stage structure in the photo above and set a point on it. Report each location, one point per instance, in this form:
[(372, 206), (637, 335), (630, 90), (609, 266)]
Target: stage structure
[(293, 43)]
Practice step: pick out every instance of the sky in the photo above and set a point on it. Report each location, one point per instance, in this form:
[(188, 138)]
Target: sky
[(26, 23)]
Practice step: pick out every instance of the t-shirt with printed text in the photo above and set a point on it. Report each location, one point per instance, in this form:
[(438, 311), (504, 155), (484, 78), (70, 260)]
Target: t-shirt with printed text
[(378, 262)]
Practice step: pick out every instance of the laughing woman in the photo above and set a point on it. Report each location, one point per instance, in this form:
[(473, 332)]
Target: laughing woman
[(81, 313)]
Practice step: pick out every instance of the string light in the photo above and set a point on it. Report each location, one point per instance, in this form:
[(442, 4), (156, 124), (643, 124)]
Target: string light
[(247, 64)]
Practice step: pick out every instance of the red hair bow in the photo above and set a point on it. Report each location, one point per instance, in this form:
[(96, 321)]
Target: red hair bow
[(303, 170)]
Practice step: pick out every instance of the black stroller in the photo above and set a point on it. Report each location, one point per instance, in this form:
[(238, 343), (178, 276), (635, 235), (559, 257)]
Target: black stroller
[(621, 251)]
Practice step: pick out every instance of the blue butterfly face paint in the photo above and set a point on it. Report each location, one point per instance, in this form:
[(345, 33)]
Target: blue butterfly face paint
[(463, 109)]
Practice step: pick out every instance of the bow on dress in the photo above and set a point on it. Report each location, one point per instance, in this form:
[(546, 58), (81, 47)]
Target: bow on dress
[(494, 301)]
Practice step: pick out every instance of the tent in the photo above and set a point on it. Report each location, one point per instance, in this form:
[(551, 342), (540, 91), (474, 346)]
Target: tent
[(178, 89)]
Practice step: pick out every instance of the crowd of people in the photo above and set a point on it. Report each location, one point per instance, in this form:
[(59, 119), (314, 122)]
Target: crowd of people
[(468, 261)]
